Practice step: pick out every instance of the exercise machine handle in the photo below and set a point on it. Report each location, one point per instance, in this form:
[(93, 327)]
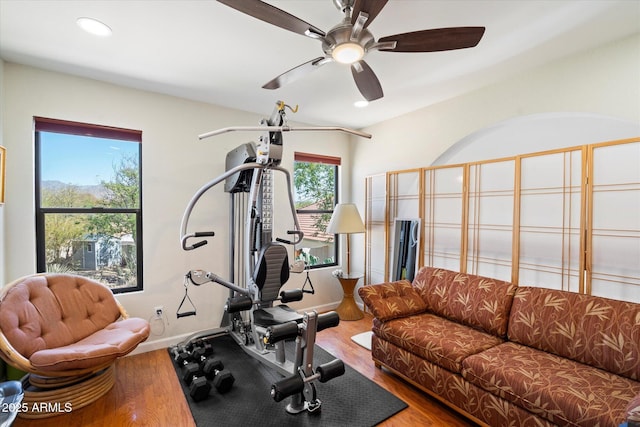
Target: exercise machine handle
[(204, 234), (185, 314), (298, 239), (197, 244), (187, 213)]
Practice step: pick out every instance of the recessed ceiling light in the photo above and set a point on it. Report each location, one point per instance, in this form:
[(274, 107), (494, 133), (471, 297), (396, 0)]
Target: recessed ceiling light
[(361, 104), (93, 26)]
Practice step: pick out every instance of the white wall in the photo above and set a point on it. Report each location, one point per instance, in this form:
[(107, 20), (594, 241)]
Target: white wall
[(603, 81), (2, 234), (535, 133), (175, 164)]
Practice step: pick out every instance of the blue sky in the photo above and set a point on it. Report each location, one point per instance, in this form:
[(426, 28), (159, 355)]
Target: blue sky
[(81, 160)]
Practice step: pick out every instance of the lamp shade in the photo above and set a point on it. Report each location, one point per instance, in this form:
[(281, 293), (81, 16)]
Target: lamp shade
[(345, 220)]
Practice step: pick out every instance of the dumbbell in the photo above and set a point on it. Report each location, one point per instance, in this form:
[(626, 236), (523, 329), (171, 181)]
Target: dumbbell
[(180, 355), (200, 342), (201, 355), (213, 369), (201, 350), (197, 351), (193, 376)]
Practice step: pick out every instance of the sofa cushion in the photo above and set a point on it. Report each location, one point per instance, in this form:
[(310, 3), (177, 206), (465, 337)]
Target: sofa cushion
[(54, 310), (116, 340), (453, 389), (392, 300), (438, 340), (476, 301), (560, 390), (596, 331)]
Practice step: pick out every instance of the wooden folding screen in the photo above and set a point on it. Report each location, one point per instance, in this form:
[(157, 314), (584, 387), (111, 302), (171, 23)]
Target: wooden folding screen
[(564, 219), (489, 220), (375, 224), (443, 212), (550, 241), (613, 245), (404, 191)]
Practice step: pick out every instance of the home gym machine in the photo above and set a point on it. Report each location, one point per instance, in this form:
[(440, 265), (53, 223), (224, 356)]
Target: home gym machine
[(256, 314)]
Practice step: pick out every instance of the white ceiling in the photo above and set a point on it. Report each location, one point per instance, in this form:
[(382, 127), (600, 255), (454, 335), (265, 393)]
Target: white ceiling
[(206, 51)]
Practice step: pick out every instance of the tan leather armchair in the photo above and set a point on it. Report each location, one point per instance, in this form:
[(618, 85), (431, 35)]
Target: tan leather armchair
[(66, 331)]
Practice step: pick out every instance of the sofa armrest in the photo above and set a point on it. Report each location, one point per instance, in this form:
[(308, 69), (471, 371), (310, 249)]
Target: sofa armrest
[(633, 412), (392, 300)]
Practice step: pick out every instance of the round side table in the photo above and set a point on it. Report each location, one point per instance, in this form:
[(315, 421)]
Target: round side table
[(348, 309)]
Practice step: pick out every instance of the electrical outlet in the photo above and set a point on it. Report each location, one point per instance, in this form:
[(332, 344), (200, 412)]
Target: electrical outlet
[(159, 311)]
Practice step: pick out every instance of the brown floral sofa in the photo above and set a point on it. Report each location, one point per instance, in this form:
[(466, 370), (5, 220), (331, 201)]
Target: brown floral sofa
[(505, 355)]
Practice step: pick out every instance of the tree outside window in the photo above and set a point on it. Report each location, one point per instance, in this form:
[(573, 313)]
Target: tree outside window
[(88, 209), (316, 182)]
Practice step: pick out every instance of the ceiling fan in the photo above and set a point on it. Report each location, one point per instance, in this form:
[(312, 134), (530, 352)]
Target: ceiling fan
[(350, 40)]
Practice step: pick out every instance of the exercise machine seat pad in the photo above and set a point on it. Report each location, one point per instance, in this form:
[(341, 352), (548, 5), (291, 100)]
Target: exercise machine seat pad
[(272, 271), (277, 315)]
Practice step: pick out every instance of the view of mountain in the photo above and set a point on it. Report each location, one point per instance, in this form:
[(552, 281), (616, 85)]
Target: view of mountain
[(97, 190)]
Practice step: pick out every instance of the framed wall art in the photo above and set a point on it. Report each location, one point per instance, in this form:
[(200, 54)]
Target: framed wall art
[(3, 161)]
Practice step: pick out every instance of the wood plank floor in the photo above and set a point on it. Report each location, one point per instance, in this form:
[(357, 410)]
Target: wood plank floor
[(147, 391)]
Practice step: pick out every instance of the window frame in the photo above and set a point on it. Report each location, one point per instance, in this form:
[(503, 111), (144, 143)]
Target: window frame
[(335, 162), (42, 124)]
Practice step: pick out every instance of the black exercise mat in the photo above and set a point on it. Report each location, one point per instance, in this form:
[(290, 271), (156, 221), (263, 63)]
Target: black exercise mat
[(349, 400)]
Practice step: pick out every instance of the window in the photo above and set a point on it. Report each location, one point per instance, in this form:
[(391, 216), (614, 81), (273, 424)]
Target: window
[(88, 202), (316, 191)]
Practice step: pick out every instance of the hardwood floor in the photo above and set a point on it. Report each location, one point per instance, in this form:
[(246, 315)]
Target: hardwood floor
[(147, 391)]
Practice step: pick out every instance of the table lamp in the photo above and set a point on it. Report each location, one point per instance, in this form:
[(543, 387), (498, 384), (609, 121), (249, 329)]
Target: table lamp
[(346, 220)]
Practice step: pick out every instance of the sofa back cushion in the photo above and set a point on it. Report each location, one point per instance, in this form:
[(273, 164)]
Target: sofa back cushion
[(54, 310), (596, 331), (476, 301)]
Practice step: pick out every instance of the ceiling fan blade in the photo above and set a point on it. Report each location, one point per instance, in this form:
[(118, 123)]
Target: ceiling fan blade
[(296, 72), (370, 7), (267, 13), (435, 40), (366, 80)]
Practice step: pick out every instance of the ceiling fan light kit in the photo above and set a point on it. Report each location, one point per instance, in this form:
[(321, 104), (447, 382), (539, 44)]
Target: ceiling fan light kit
[(350, 41), (347, 53)]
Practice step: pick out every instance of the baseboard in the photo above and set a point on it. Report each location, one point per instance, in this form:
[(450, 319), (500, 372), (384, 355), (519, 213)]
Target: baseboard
[(328, 307), (162, 343), (321, 308)]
